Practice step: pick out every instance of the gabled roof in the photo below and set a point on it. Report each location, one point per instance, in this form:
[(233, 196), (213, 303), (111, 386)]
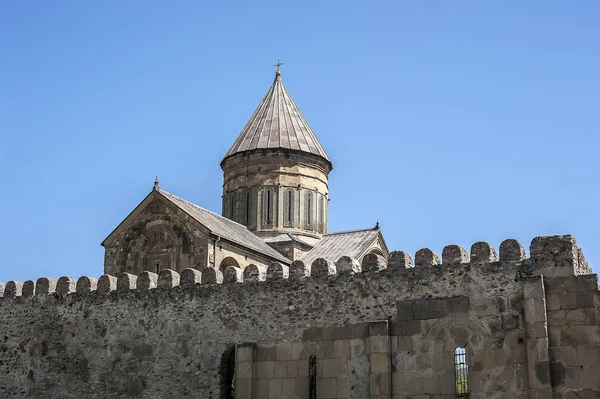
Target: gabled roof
[(277, 123), (354, 244), (216, 224)]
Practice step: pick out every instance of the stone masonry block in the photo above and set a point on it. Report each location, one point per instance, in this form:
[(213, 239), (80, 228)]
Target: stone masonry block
[(45, 286), (421, 309), (277, 271), (253, 274), (210, 275), (438, 308), (551, 252), (190, 277), (126, 282), (65, 285), (106, 284), (378, 328), (454, 254), (299, 270), (511, 250), (28, 290), (347, 265), (459, 304), (322, 268), (400, 260), (482, 252), (312, 334), (404, 310), (373, 263), (146, 281), (13, 289), (426, 257), (85, 285)]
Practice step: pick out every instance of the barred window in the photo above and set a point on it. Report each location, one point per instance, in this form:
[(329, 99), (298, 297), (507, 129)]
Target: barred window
[(312, 377), (461, 367)]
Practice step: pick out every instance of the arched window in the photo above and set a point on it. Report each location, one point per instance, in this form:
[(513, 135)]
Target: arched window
[(228, 261), (268, 203), (461, 368), (248, 208), (312, 377), (308, 209), (289, 208)]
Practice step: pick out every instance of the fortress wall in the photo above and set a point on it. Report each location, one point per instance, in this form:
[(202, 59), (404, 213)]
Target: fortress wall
[(169, 335)]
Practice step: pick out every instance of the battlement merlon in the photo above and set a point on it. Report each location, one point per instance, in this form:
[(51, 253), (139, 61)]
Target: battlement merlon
[(550, 256)]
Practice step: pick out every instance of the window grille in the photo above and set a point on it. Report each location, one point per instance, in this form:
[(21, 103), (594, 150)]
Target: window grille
[(462, 373), (312, 377)]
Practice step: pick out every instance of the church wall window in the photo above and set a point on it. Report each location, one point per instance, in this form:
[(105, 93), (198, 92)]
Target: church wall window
[(312, 377), (268, 201), (247, 208), (157, 267), (289, 208), (309, 199), (461, 368), (321, 214), (232, 206)]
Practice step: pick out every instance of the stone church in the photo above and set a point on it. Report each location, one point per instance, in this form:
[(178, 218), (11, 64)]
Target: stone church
[(275, 206), (262, 302)]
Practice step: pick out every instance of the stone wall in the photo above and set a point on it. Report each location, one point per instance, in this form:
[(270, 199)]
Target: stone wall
[(376, 330)]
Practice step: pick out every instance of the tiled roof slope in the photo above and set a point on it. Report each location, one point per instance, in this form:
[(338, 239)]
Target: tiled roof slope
[(225, 228), (349, 243), (277, 123)]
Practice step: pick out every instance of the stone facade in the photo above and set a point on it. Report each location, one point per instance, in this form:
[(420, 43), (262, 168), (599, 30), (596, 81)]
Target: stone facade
[(530, 326)]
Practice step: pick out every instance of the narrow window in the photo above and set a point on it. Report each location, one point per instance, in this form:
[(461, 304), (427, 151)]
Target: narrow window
[(289, 206), (157, 268), (320, 216), (308, 209), (268, 206), (231, 205), (462, 372), (247, 208), (312, 377), (227, 373)]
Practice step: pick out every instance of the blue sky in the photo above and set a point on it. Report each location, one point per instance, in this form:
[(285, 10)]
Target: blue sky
[(450, 122)]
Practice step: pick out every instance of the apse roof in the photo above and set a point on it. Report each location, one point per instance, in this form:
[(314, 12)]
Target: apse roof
[(277, 123)]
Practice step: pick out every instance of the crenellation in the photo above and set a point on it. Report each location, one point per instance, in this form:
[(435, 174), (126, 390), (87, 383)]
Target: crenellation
[(299, 270), (322, 268), (254, 273), (66, 285), (400, 260), (28, 290), (106, 284), (454, 254), (147, 281), (190, 277), (426, 257), (86, 285), (170, 278), (347, 265), (233, 274), (126, 281), (511, 250), (211, 275), (482, 252), (13, 289), (45, 286), (277, 271), (373, 263)]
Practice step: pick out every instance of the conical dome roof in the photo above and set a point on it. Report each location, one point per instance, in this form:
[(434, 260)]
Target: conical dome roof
[(277, 123)]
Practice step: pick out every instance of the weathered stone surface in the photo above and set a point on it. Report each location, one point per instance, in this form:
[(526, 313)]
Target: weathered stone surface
[(347, 265), (169, 278), (45, 286), (400, 260), (13, 289), (28, 290), (322, 268), (511, 250), (277, 271), (426, 257), (482, 252), (233, 275), (373, 263), (299, 270), (147, 281), (190, 277), (454, 254), (210, 275), (86, 285), (106, 284), (254, 273), (126, 282), (66, 285)]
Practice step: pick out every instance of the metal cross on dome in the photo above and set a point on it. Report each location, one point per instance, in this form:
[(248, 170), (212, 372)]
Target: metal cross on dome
[(279, 63)]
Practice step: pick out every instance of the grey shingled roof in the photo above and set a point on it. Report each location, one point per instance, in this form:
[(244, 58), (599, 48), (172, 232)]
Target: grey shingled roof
[(348, 243), (277, 123), (225, 228)]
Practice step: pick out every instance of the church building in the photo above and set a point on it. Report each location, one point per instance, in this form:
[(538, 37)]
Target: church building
[(275, 207)]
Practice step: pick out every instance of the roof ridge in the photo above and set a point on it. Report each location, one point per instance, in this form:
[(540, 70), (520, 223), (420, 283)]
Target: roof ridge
[(351, 231)]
